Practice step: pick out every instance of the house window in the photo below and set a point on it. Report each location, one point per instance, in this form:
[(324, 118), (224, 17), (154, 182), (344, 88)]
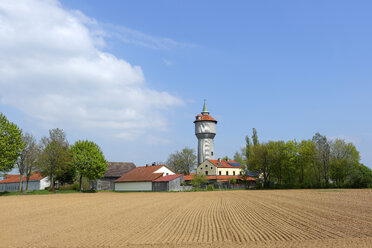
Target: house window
[(227, 173), (234, 173), (219, 173), (211, 168), (206, 173), (206, 165)]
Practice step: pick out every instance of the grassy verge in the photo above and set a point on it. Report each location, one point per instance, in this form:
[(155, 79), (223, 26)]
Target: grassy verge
[(45, 192)]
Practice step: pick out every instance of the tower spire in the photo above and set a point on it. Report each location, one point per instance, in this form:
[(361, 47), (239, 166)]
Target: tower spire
[(205, 110)]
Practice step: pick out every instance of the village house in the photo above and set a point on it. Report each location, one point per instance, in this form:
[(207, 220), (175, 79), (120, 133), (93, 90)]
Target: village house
[(221, 172), (36, 182), (142, 178), (115, 170), (219, 168)]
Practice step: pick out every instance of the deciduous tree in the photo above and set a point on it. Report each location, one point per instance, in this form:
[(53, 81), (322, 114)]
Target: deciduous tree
[(89, 160), (11, 143), (307, 156), (259, 161), (323, 156), (55, 156), (344, 158), (28, 159), (182, 161)]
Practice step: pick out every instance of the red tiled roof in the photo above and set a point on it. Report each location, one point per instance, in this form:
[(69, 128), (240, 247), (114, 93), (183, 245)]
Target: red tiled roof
[(15, 178), (204, 118), (188, 177), (224, 163), (219, 178), (228, 178), (141, 174), (167, 178)]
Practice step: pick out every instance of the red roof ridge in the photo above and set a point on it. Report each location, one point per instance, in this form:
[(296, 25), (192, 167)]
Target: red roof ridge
[(218, 177), (142, 174), (168, 178), (204, 118), (36, 176)]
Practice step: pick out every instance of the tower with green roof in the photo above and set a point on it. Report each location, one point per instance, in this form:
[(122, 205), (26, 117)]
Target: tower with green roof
[(205, 131)]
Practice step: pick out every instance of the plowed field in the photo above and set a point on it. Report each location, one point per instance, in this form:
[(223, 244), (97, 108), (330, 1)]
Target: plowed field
[(282, 218)]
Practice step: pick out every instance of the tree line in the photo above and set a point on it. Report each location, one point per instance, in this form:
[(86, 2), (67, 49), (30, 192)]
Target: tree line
[(52, 156), (312, 163)]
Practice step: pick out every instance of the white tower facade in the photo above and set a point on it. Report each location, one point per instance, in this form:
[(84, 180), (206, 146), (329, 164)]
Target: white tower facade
[(205, 131)]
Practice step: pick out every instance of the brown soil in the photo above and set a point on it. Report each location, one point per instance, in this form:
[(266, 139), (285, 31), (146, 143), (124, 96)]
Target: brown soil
[(281, 218)]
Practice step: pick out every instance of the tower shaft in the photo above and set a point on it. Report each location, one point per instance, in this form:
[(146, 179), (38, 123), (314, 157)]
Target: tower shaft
[(205, 131)]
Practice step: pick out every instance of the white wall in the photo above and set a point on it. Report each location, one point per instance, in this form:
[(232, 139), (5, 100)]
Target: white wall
[(230, 170), (133, 186), (165, 171), (44, 183), (214, 171)]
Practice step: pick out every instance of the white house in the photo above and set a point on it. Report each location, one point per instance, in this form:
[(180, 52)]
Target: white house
[(219, 168), (36, 182), (141, 178)]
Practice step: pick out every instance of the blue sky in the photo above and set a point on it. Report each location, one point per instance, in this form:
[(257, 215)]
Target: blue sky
[(287, 68)]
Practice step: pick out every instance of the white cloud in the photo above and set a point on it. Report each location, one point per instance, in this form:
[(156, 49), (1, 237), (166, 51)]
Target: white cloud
[(52, 68), (167, 62), (138, 38)]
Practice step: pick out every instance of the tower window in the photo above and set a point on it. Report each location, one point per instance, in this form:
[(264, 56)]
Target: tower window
[(212, 153), (234, 173), (219, 173), (227, 173), (206, 173), (206, 165)]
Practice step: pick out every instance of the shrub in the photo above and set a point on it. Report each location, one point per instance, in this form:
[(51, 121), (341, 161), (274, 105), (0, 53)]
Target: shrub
[(74, 186), (210, 187), (198, 180), (232, 180)]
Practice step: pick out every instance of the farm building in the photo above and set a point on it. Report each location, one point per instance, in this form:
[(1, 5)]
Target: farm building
[(141, 178), (115, 170), (168, 183), (224, 181), (219, 168), (36, 182)]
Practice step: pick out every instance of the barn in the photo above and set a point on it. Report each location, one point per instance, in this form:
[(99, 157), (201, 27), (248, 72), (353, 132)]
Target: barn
[(141, 178), (115, 170), (36, 182), (168, 183)]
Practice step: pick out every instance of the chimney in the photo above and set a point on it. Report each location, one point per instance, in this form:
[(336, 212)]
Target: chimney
[(219, 160), (147, 165), (153, 164)]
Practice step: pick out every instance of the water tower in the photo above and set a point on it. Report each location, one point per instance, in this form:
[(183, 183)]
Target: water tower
[(205, 130)]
